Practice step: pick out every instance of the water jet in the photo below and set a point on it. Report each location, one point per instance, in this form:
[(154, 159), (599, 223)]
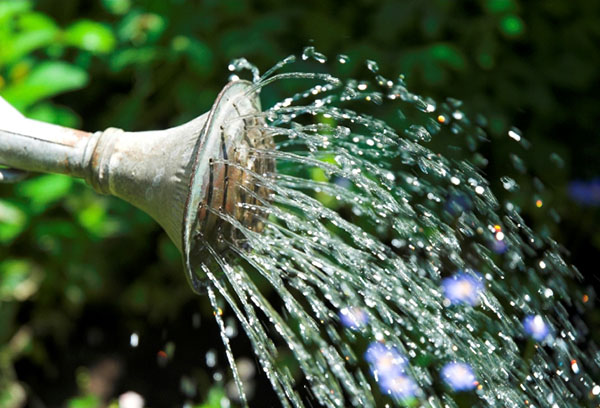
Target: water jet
[(401, 278)]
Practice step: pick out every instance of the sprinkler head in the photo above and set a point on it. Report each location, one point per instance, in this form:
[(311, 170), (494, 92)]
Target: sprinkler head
[(188, 178), (222, 176)]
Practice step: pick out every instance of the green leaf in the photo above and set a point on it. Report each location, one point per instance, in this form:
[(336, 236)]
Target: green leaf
[(36, 31), (93, 218), (9, 9), (317, 174), (45, 80), (44, 190), (500, 6), (132, 56), (90, 36), (117, 6), (448, 54), (89, 401), (18, 279), (59, 115), (12, 395), (140, 28), (200, 56), (215, 395), (12, 221), (512, 26)]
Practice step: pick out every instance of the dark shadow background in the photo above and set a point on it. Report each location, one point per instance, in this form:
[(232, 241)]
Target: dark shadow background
[(99, 270)]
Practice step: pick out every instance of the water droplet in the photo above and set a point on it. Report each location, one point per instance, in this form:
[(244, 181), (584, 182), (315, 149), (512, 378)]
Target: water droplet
[(509, 183), (372, 66), (311, 53), (211, 358), (362, 215), (557, 160), (515, 134)]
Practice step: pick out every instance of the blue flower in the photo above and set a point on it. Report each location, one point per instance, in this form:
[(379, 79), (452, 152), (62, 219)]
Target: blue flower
[(354, 317), (385, 360), (399, 386), (459, 376), (585, 192), (536, 327), (457, 203), (463, 288), (498, 246)]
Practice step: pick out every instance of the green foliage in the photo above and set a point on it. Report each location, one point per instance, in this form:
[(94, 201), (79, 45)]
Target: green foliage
[(44, 190), (143, 64), (215, 396), (89, 401), (12, 221), (90, 36), (43, 81)]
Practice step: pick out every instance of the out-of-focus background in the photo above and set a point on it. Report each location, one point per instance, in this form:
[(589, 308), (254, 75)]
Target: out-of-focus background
[(93, 301)]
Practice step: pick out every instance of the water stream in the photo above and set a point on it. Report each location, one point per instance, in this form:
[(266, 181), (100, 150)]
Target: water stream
[(387, 267)]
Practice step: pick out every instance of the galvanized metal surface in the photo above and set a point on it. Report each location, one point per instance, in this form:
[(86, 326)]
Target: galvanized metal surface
[(228, 127), (41, 147), (167, 173), (8, 115)]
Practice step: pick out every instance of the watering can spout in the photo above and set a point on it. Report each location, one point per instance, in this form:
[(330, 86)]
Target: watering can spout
[(175, 175)]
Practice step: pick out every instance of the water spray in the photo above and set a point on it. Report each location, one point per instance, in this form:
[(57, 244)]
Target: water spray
[(170, 174), (394, 267)]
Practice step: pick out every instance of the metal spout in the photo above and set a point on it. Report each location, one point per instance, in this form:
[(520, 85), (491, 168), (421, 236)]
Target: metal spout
[(176, 175)]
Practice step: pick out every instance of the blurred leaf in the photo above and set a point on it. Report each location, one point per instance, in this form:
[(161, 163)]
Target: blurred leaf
[(59, 115), (12, 395), (117, 6), (500, 6), (44, 190), (317, 174), (215, 395), (37, 31), (94, 219), (36, 21), (45, 80), (89, 401), (140, 27), (19, 71), (512, 26), (90, 36), (18, 279), (199, 54), (8, 9), (132, 56), (448, 54), (12, 221)]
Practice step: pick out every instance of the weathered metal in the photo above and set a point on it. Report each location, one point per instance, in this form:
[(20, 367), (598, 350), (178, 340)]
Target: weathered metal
[(176, 175)]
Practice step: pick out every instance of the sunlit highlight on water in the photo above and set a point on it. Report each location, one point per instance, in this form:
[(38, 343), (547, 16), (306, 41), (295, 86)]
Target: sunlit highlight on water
[(364, 228)]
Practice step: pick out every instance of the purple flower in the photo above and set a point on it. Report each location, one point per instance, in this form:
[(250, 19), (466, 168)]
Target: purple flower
[(399, 386), (536, 327), (459, 376), (585, 192), (385, 360), (354, 317), (498, 246), (457, 203), (463, 288)]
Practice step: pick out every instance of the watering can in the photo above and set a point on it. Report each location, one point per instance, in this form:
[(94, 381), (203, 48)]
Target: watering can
[(175, 175)]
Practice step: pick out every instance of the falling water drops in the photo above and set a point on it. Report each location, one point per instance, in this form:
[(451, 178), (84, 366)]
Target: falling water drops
[(311, 53), (343, 59), (372, 66), (402, 279)]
